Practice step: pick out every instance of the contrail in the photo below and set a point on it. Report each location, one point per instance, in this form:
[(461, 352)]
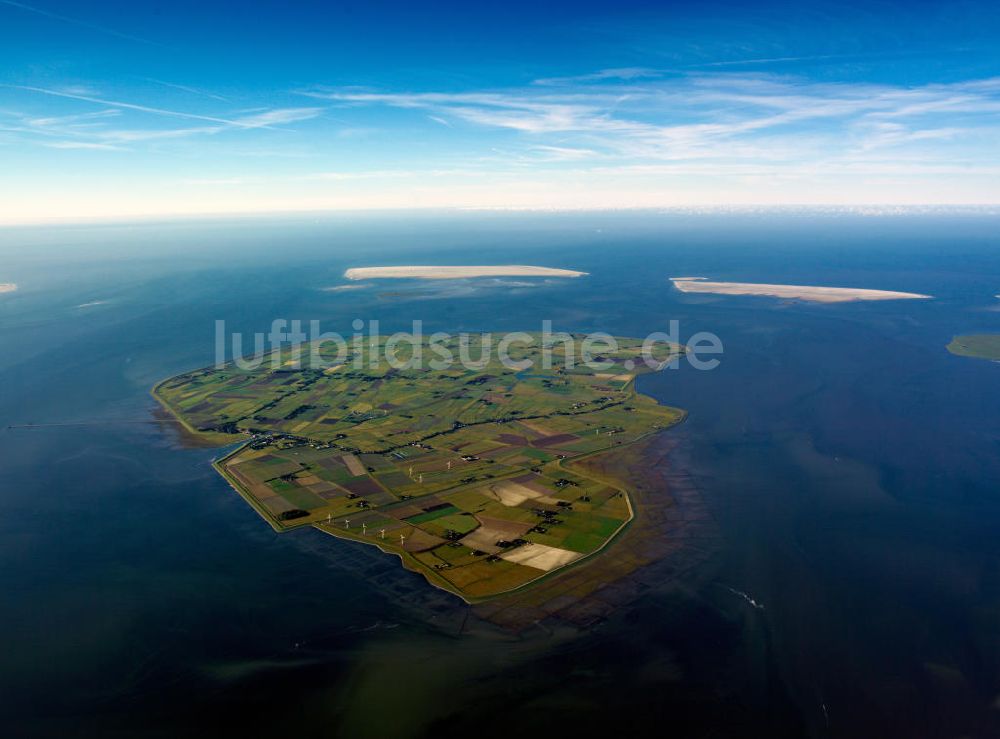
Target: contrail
[(133, 106), (777, 60), (76, 22), (185, 88)]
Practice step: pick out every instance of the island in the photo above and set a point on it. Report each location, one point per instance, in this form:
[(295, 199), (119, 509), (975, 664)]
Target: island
[(980, 346), (816, 294), (457, 273), (476, 477)]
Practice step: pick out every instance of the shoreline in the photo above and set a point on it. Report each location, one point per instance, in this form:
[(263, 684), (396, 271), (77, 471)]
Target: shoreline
[(188, 435), (410, 563), (407, 560), (669, 535)]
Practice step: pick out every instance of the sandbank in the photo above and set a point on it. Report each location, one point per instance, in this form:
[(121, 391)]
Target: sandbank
[(797, 292), (456, 272)]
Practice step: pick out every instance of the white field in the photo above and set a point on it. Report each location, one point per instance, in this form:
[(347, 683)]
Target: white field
[(7, 287), (457, 273), (485, 538), (797, 292), (354, 465), (512, 493), (541, 556)]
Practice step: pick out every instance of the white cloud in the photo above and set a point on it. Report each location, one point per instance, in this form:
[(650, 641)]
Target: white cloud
[(712, 116), (93, 129), (119, 104), (622, 73), (81, 145), (616, 138), (88, 119), (563, 153), (277, 117)]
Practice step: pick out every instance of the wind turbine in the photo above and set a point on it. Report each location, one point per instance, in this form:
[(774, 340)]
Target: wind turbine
[(382, 533), (364, 529), (347, 523), (401, 538)]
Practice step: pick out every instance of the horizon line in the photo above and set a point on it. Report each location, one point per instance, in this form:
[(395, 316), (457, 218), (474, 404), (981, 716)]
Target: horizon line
[(744, 208)]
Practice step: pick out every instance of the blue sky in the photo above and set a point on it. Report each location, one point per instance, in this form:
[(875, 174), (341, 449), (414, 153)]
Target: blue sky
[(117, 109)]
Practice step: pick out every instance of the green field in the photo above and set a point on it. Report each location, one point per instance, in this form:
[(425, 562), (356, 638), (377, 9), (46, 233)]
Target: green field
[(467, 474), (981, 346)]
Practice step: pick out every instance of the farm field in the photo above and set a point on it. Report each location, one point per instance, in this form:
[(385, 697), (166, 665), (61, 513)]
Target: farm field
[(466, 472)]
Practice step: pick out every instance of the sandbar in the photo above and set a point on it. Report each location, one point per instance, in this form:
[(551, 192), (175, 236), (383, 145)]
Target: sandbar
[(456, 272), (811, 293)]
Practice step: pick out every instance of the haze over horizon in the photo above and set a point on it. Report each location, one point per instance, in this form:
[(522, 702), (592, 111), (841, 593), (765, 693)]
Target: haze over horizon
[(120, 110)]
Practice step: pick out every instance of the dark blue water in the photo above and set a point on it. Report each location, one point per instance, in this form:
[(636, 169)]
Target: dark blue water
[(851, 465)]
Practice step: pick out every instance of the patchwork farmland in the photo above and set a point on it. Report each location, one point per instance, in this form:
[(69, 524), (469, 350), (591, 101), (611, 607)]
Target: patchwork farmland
[(467, 473)]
